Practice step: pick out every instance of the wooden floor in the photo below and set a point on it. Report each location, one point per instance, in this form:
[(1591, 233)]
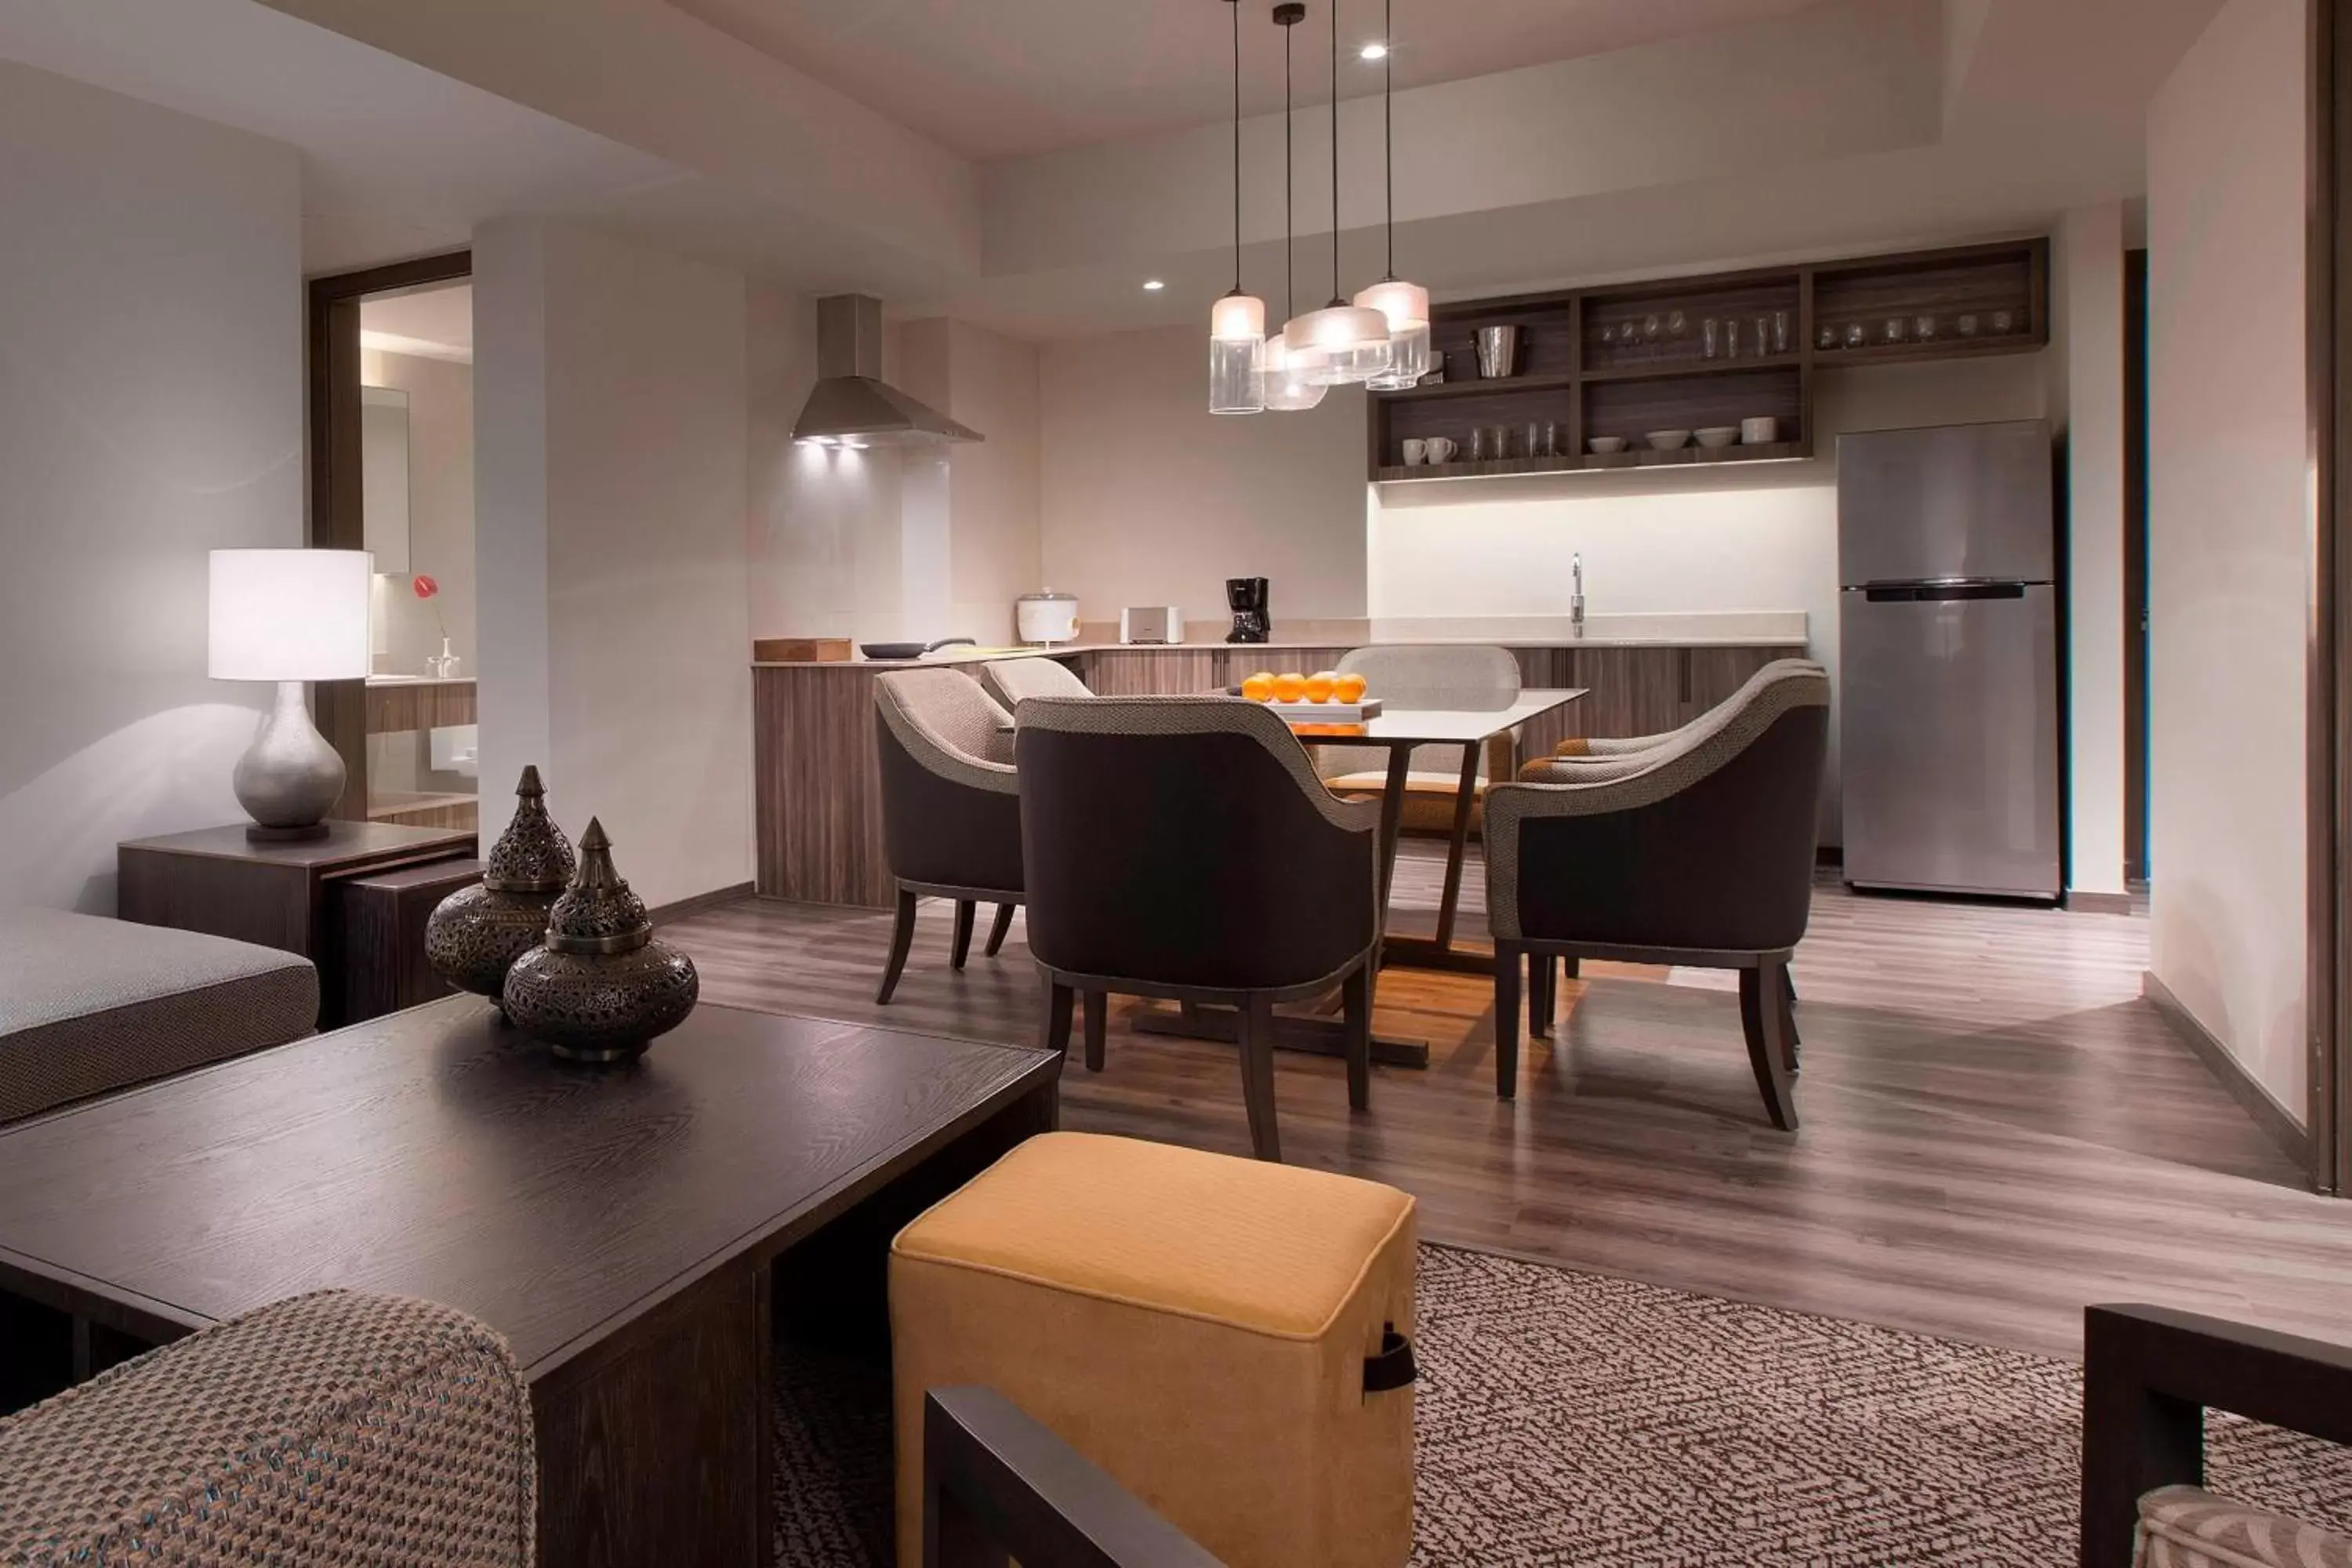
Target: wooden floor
[(1997, 1130)]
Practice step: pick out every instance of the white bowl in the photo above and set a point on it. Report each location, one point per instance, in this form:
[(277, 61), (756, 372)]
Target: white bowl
[(1666, 440), (1718, 435), (1602, 445)]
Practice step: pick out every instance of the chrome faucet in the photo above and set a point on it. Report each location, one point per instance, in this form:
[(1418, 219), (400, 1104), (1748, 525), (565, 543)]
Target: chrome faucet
[(1576, 594)]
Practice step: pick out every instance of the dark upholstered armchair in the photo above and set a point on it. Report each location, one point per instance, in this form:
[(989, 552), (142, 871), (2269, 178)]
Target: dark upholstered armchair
[(950, 805), (364, 1431), (1014, 681), (1698, 851), (2149, 1373), (1182, 848)]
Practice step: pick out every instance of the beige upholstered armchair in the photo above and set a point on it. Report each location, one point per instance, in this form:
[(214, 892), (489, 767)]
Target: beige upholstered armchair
[(951, 807), (362, 1431), (1426, 675), (1010, 680), (1608, 747)]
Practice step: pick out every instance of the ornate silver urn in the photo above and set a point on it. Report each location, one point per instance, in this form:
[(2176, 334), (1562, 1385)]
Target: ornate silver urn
[(477, 932), (600, 988)]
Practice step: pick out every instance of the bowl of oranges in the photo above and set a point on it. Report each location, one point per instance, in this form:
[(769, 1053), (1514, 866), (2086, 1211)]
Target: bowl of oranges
[(1325, 695)]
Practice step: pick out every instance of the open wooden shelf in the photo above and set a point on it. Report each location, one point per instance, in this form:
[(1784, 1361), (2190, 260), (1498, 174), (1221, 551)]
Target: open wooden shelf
[(1628, 358)]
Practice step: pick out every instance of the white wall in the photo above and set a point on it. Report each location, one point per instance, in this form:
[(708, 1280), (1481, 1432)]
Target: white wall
[(1664, 541), (1151, 499), (611, 403), (2088, 301), (2228, 537), (151, 410)]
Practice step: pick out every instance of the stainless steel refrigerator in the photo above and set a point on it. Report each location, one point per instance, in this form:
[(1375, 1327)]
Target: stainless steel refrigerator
[(1948, 660)]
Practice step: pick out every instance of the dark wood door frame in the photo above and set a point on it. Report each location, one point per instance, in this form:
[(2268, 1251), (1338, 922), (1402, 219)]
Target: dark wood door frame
[(331, 369), (2329, 725)]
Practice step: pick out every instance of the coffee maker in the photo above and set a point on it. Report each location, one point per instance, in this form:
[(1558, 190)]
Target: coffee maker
[(1247, 598)]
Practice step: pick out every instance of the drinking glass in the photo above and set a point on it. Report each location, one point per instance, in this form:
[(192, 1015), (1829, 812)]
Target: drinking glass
[(1677, 325), (1710, 337), (1489, 442), (1731, 339), (1924, 329), (2003, 321), (1779, 331), (1763, 335), (1653, 328), (1968, 325), (1894, 330), (1827, 337), (1856, 334), (1531, 441)]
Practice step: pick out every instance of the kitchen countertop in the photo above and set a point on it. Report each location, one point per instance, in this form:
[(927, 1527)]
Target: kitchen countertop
[(1775, 629)]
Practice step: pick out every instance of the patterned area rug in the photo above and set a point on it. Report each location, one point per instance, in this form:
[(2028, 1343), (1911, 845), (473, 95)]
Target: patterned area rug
[(1568, 1418)]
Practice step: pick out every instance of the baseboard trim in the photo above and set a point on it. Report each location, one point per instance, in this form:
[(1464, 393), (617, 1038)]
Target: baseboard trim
[(699, 902), (2099, 903), (2274, 1119)]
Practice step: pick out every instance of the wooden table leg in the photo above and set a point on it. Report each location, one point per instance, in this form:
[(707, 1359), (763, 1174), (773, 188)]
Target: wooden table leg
[(1457, 848)]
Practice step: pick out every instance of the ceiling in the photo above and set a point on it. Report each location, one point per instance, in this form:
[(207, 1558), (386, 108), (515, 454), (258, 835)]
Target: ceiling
[(1009, 78), (434, 322)]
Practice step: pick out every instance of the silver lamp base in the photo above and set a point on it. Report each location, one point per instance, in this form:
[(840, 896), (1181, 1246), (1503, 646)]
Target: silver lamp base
[(290, 778)]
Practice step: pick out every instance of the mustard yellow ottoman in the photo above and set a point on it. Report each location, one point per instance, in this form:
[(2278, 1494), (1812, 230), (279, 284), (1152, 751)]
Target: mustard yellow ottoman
[(1224, 1337)]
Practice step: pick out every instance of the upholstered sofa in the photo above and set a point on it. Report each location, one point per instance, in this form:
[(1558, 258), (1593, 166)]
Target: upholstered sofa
[(362, 1431), (88, 1005)]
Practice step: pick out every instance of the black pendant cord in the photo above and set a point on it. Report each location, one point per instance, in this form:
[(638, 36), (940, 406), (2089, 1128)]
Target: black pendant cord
[(1289, 237), (1236, 5), (1336, 300), (1388, 126)]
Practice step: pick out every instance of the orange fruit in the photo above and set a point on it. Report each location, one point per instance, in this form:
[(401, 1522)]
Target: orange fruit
[(1348, 688), (1259, 687), (1289, 686), (1320, 685)]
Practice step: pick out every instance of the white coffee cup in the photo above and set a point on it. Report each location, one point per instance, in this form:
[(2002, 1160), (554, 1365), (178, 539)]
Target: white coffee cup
[(1416, 451), (1759, 432), (1441, 450)]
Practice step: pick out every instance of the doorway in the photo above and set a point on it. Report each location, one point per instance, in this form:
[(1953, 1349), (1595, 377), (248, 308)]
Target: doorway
[(392, 472)]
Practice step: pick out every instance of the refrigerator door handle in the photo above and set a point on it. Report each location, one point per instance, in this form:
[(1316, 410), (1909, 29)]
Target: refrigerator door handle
[(1940, 592)]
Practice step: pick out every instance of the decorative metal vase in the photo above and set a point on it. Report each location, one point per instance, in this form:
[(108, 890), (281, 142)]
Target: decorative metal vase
[(475, 933), (600, 988)]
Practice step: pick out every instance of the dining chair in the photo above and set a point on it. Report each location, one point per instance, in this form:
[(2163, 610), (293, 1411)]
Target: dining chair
[(1698, 852), (1426, 675), (1012, 680), (1182, 848), (1607, 746), (950, 806)]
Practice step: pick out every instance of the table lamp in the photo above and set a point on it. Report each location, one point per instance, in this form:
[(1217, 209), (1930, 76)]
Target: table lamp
[(291, 616)]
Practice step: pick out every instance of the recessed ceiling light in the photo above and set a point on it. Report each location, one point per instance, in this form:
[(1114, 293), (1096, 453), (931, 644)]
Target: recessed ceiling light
[(1153, 285), (1375, 50)]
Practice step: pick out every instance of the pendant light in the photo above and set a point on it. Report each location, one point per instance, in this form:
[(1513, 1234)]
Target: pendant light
[(1344, 343), (1288, 386), (1406, 305), (1237, 322)]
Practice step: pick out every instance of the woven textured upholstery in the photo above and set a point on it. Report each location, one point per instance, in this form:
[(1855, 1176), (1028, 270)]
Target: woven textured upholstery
[(1629, 745), (88, 1005), (1012, 681), (1163, 716), (949, 725), (361, 1431), (2183, 1527)]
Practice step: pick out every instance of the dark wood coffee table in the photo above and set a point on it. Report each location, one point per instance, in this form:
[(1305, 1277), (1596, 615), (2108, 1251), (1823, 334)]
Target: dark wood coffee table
[(618, 1227)]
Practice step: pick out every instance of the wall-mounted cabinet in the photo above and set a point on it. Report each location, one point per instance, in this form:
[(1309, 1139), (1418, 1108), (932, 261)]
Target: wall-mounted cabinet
[(1615, 366)]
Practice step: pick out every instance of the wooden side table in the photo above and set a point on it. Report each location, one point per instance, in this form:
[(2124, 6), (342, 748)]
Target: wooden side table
[(217, 881)]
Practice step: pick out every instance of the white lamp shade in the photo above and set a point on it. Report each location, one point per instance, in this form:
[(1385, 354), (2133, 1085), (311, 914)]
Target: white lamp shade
[(1237, 318), (289, 614), (1336, 329), (1290, 386)]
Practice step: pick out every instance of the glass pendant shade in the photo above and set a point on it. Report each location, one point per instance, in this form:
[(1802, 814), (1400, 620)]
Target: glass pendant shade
[(1406, 306), (1339, 345), (1237, 356), (1289, 386)]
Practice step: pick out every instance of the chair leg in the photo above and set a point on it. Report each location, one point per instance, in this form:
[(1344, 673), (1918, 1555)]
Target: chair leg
[(1507, 1020), (1571, 967), (1356, 1015), (996, 931), (1789, 1021), (1059, 1000), (1257, 1077), (1543, 992), (963, 949), (1761, 1010), (902, 938), (1098, 1027)]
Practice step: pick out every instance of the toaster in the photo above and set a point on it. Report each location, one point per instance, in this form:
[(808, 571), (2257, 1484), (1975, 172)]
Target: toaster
[(1151, 624)]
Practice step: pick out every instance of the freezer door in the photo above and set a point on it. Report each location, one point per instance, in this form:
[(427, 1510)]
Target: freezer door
[(1962, 501), (1950, 741)]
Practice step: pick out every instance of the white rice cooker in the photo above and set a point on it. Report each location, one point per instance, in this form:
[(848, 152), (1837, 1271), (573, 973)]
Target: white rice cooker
[(1046, 617)]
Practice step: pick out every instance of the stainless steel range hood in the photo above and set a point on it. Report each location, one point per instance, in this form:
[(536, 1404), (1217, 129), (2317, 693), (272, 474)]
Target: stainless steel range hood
[(851, 405)]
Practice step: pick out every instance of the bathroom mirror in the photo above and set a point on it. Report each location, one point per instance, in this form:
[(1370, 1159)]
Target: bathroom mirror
[(383, 477)]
